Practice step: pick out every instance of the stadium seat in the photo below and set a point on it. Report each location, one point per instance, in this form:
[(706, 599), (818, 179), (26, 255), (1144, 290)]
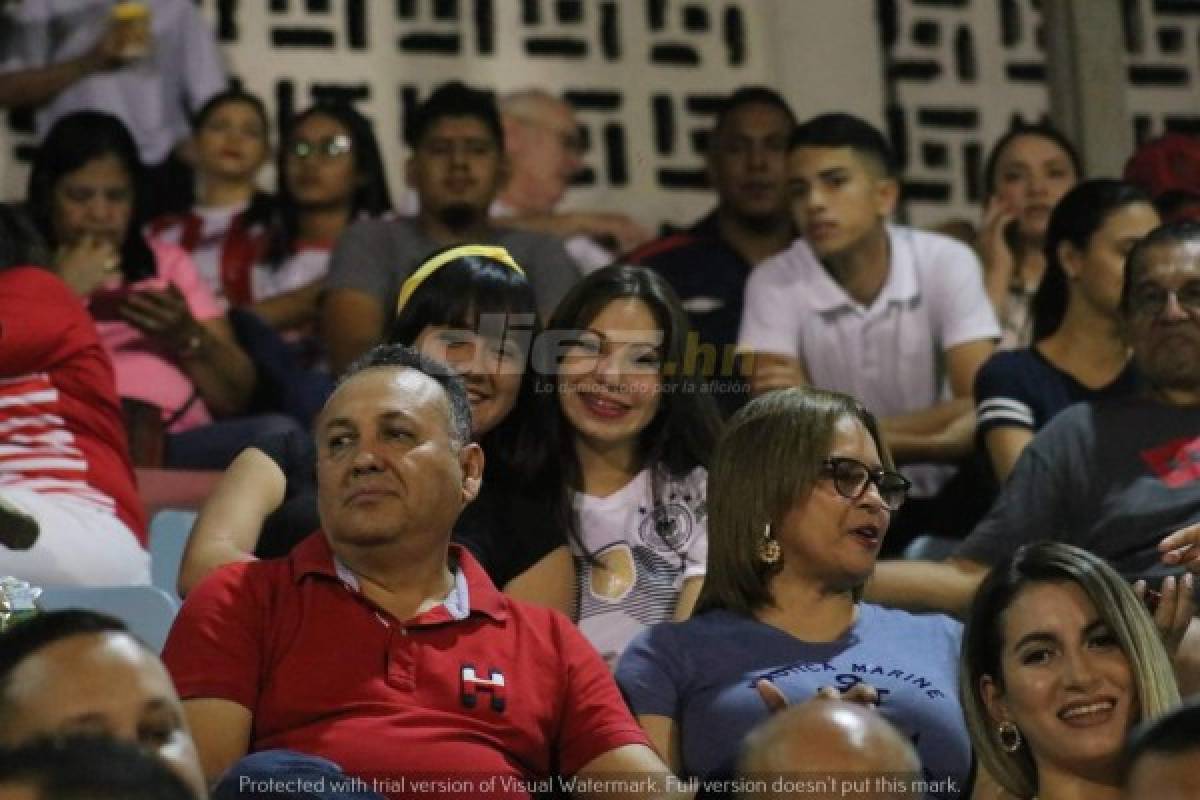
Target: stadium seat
[(147, 610), (169, 531)]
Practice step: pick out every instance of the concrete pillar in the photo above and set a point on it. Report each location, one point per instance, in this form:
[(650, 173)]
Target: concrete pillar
[(825, 56), (1086, 75)]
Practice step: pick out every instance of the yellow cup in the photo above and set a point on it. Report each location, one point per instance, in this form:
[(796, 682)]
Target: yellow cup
[(132, 20)]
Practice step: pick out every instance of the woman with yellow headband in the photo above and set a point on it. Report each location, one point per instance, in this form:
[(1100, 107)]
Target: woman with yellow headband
[(472, 307)]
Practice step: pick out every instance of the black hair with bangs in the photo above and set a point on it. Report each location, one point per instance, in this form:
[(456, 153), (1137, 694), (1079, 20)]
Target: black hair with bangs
[(460, 294), (462, 291)]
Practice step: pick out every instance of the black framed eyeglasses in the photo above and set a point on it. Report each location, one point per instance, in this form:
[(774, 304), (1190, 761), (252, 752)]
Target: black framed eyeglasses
[(851, 476), (328, 147), (1149, 299)]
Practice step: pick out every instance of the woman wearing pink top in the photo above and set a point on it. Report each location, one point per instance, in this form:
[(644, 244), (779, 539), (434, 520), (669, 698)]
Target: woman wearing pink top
[(169, 342)]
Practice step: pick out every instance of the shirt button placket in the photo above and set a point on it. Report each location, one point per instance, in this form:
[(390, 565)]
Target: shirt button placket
[(400, 666)]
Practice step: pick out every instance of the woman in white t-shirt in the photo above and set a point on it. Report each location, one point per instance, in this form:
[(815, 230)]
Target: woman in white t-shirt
[(635, 431)]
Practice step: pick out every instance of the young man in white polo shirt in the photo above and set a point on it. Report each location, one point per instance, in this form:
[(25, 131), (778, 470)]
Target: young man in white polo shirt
[(894, 316)]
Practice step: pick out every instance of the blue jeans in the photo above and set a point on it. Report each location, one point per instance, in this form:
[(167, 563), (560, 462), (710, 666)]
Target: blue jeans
[(288, 774)]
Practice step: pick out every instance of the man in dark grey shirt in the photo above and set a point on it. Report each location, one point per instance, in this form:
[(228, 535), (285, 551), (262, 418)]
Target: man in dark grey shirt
[(1113, 477), (456, 168)]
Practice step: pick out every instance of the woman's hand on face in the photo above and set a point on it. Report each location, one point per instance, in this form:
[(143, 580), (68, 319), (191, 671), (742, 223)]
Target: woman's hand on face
[(87, 263), (163, 315), (1172, 608), (997, 256)]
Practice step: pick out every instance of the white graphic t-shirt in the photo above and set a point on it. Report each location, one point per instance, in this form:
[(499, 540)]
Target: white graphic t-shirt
[(642, 549)]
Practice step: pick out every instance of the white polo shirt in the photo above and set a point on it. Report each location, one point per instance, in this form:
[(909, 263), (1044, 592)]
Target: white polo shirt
[(888, 354)]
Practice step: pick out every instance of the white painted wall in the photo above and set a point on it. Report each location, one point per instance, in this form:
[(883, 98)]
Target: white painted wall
[(822, 55)]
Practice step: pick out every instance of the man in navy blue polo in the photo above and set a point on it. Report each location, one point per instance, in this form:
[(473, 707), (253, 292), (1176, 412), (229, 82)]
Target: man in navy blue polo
[(708, 263)]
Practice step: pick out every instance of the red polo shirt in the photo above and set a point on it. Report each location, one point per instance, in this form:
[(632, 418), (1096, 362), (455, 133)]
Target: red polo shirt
[(511, 692)]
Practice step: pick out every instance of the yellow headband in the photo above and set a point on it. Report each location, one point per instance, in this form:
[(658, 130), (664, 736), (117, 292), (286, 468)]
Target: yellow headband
[(431, 266)]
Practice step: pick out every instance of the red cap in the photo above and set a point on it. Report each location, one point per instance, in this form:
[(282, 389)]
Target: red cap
[(1170, 163)]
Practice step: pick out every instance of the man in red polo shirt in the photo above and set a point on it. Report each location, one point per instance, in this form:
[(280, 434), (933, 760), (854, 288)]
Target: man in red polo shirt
[(380, 647)]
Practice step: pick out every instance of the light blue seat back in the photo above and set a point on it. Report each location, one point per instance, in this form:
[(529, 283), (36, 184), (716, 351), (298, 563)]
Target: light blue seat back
[(169, 532), (147, 610)]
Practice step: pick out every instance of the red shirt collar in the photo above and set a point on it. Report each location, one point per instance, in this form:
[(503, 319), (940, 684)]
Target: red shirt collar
[(313, 556)]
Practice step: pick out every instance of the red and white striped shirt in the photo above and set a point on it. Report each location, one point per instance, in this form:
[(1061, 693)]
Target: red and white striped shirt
[(61, 429), (224, 248)]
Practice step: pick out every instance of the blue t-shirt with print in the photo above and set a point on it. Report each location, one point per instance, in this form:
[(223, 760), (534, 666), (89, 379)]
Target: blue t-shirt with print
[(702, 674)]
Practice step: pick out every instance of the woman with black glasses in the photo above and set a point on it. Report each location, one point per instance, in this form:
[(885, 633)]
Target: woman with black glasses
[(331, 173), (800, 496)]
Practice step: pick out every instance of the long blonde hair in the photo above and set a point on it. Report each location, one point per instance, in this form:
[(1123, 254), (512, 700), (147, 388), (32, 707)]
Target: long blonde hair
[(983, 644)]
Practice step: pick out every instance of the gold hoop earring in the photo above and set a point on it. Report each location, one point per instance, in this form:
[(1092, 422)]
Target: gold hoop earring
[(769, 550), (1009, 736)]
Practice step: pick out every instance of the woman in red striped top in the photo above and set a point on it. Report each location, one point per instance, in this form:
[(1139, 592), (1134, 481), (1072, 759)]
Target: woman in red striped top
[(69, 511)]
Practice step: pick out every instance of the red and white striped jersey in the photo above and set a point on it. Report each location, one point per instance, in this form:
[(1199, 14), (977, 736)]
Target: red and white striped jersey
[(61, 429)]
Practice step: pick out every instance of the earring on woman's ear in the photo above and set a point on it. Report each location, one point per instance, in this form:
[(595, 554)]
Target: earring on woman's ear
[(769, 550), (1009, 736)]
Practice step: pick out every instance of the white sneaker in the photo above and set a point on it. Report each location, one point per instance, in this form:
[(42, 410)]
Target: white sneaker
[(18, 530)]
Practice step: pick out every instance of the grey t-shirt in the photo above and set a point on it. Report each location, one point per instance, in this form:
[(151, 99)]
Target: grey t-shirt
[(1113, 477), (376, 256), (702, 674)]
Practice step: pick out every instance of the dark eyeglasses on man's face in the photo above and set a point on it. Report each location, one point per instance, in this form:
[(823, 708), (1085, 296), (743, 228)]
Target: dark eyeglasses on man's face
[(1149, 299), (328, 147), (851, 477)]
